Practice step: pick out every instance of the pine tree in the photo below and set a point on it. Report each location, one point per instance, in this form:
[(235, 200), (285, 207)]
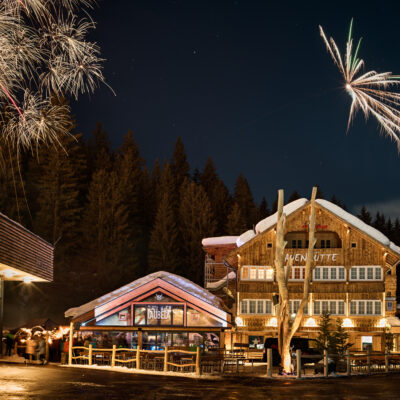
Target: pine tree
[(217, 193), (245, 201), (324, 337), (99, 150), (320, 195), (264, 211), (179, 166), (365, 216), (380, 222), (165, 244), (137, 198), (196, 222), (107, 234), (340, 340), (294, 196), (389, 229), (235, 224)]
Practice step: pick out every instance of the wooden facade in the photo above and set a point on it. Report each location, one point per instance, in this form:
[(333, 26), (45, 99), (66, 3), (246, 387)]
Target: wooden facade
[(354, 278), (24, 255)]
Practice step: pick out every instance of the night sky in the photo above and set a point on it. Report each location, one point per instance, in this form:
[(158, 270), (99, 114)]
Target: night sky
[(251, 84)]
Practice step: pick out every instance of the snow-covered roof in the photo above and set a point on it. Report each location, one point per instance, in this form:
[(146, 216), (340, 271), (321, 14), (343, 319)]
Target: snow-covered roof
[(219, 240), (222, 282), (393, 321), (356, 222), (245, 237), (176, 280), (290, 208)]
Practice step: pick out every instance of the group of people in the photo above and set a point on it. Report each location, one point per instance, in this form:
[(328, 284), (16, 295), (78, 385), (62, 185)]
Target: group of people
[(36, 349)]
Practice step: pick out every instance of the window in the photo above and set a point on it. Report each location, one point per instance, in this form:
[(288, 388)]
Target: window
[(257, 273), (365, 307), (366, 342), (328, 244), (257, 307), (269, 245), (294, 307), (294, 243), (297, 273), (333, 307), (353, 245), (329, 274), (322, 244), (366, 273), (299, 244)]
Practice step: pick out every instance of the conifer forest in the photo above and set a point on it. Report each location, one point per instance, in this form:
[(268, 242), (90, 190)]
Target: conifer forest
[(113, 217)]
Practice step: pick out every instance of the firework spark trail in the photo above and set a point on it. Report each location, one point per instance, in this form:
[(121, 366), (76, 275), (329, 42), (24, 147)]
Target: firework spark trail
[(44, 54), (369, 91)]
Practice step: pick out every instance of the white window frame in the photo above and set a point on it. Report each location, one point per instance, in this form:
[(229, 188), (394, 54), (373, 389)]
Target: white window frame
[(302, 273), (267, 305), (291, 307), (322, 268), (364, 306), (363, 270), (260, 270), (324, 301)]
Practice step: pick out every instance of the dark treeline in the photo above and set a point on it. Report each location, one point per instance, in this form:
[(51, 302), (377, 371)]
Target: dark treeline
[(112, 220)]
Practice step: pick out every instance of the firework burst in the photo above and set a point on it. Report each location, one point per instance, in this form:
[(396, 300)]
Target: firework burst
[(44, 54), (371, 92)]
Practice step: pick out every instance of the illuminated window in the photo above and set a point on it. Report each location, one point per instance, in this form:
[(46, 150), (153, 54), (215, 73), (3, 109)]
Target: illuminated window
[(253, 273), (259, 273)]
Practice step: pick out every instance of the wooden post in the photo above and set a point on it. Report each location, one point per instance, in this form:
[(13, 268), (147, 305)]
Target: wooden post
[(298, 363), (348, 363), (16, 347), (386, 361), (139, 340), (90, 353), (47, 347), (113, 355), (71, 336), (138, 358), (368, 360), (325, 363), (269, 363), (198, 371), (166, 359)]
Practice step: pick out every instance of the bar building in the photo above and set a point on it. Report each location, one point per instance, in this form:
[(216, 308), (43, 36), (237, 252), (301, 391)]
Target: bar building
[(150, 313), (354, 277)]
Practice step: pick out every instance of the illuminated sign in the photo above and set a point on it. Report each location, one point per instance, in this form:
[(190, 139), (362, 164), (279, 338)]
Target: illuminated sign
[(159, 313), (317, 257)]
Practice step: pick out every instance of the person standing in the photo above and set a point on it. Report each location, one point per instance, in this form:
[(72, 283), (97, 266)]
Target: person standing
[(42, 350), (9, 343)]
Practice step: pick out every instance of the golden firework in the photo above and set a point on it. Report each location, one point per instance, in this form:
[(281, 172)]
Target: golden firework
[(371, 92)]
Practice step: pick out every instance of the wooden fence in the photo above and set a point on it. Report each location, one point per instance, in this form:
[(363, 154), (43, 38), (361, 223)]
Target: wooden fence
[(182, 360)]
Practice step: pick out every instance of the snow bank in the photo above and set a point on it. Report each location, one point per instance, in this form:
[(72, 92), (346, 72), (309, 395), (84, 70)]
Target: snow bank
[(245, 237), (222, 282), (215, 241), (127, 370), (178, 281)]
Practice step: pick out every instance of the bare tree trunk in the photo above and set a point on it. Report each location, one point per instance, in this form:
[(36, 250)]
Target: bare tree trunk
[(286, 329)]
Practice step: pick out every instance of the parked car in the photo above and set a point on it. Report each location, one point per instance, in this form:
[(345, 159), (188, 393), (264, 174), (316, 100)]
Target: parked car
[(307, 347)]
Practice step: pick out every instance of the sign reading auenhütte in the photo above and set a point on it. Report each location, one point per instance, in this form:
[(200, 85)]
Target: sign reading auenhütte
[(162, 313), (317, 257)]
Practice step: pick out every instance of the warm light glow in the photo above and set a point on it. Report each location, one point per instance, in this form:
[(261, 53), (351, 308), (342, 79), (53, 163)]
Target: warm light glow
[(8, 273), (382, 323), (310, 323), (27, 279), (348, 86), (273, 322), (239, 321), (347, 323)]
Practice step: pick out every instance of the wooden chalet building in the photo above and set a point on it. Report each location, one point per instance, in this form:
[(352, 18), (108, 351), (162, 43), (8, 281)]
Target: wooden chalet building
[(354, 276), (150, 313)]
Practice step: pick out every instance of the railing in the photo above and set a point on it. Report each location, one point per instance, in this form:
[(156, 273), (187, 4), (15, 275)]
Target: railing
[(136, 358)]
